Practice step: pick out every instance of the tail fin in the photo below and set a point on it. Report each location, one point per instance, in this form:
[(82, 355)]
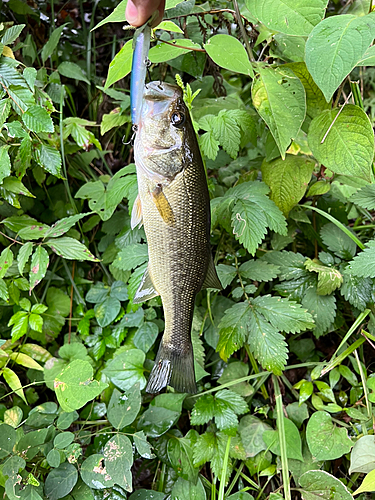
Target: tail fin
[(172, 368)]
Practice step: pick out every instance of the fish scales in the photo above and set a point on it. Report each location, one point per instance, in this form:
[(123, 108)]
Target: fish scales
[(175, 208)]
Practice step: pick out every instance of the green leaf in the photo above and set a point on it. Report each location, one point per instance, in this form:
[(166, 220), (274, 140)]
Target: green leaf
[(227, 132), (186, 490), (121, 64), (251, 430), (63, 225), (21, 97), (14, 382), (368, 484), (142, 445), (288, 180), (124, 407), (4, 294), (6, 260), (113, 119), (49, 159), (145, 336), (362, 457), (38, 266), (107, 311), (365, 197), (358, 291), (327, 43), (12, 34), (37, 119), (329, 278), (292, 438), (75, 386), (223, 407), (118, 455), (72, 70), (257, 270), (322, 309), (51, 44), (167, 51), (4, 110), (344, 144), (8, 439), (326, 441), (126, 369), (147, 494), (363, 265), (20, 322), (116, 16), (70, 248), (10, 76), (338, 242), (209, 145), (36, 322), (229, 53), (63, 440), (233, 330), (279, 97), (180, 456), (320, 484), (94, 474), (296, 17), (131, 257), (4, 163)]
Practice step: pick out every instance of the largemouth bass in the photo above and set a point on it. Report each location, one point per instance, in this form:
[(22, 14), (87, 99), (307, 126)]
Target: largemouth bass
[(174, 206)]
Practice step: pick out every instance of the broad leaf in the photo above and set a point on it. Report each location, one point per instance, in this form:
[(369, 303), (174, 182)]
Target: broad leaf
[(327, 56), (126, 369), (363, 265), (121, 64), (292, 438), (38, 266), (70, 248), (326, 441), (362, 457), (293, 17), (279, 97), (343, 141), (229, 53)]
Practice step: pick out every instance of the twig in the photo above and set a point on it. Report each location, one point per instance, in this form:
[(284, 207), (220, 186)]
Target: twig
[(243, 31)]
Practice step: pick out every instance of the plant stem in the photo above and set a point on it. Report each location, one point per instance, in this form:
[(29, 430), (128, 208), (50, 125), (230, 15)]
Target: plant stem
[(282, 439)]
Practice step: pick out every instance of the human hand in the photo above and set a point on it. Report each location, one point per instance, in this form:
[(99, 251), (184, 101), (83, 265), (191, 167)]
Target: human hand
[(138, 11)]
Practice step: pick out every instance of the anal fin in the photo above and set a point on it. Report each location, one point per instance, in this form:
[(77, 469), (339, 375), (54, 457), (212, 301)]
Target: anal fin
[(137, 217), (162, 204), (146, 289), (212, 279)]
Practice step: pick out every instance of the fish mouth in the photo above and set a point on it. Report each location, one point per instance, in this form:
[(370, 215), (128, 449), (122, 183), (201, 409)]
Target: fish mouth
[(160, 91)]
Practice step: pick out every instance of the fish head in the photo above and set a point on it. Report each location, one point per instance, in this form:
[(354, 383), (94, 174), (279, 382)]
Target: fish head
[(161, 144)]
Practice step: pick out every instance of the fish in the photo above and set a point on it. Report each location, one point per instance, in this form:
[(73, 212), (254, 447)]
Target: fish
[(138, 73), (173, 204)]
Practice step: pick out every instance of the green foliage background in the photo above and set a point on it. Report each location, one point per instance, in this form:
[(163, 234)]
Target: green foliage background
[(282, 99)]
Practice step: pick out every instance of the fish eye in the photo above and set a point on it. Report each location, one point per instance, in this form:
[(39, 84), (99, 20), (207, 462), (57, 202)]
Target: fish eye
[(177, 119)]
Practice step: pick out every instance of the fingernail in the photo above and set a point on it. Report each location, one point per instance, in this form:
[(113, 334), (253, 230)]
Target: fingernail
[(131, 13)]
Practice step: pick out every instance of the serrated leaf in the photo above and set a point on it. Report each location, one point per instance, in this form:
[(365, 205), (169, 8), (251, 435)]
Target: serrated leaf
[(322, 309), (267, 344), (348, 147), (113, 119), (327, 44), (209, 145), (4, 294), (37, 119), (227, 132), (70, 248), (4, 110), (38, 266), (72, 70), (20, 321), (363, 265), (279, 97), (256, 270), (229, 53), (21, 98), (10, 76), (49, 159), (12, 34), (358, 291), (288, 180), (329, 278), (293, 17), (233, 330), (365, 197), (338, 242), (75, 385)]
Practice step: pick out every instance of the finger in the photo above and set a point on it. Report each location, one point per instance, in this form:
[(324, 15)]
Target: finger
[(138, 11)]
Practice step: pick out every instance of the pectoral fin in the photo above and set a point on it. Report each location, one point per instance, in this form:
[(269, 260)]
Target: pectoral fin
[(137, 218), (163, 206), (146, 289), (212, 280)]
